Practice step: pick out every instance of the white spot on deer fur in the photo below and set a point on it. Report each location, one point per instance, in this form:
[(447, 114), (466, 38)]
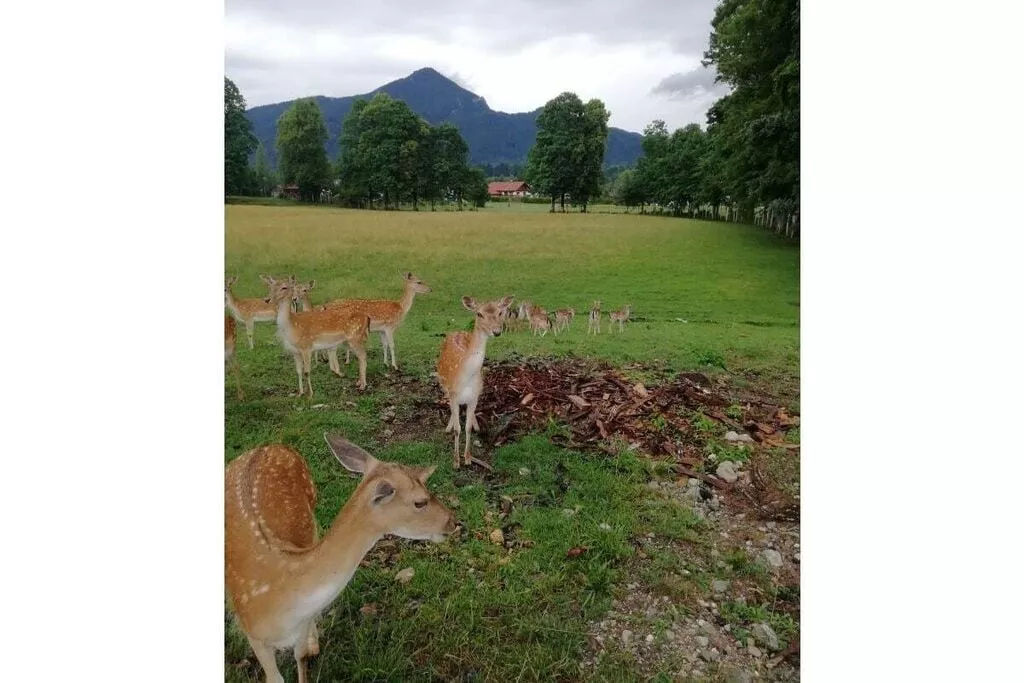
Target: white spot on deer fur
[(261, 590)]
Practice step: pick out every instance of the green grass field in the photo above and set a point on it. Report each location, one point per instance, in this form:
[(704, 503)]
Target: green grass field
[(476, 611)]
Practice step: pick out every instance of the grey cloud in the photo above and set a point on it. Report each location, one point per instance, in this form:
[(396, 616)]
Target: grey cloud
[(688, 84), (683, 24)]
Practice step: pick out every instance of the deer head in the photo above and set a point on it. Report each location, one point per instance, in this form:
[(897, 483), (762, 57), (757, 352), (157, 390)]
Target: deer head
[(490, 316), (398, 502)]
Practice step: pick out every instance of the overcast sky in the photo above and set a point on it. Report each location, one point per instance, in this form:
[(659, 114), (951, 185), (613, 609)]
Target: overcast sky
[(641, 57)]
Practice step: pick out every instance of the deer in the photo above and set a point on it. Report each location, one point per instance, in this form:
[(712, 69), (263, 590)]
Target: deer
[(618, 317), (250, 311), (304, 332), (229, 353), (386, 315), (563, 317), (539, 321), (594, 322), (460, 363), (279, 575)]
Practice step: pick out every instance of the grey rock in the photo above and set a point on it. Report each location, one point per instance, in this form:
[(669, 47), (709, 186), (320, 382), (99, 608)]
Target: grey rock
[(720, 586), (703, 641), (740, 677), (764, 634), (754, 652), (670, 635), (712, 655), (773, 558), (714, 503), (627, 637), (738, 438), (524, 471), (649, 639), (604, 526), (727, 471), (707, 629)]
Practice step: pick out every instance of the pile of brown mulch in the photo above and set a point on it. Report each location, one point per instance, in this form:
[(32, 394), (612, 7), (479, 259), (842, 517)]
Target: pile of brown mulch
[(599, 407)]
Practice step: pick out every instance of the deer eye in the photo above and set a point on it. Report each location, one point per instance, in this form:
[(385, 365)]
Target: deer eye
[(420, 504)]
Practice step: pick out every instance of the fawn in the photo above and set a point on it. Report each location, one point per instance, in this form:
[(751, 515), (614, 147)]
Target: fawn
[(250, 311), (386, 315), (229, 352), (594, 322), (539, 321), (279, 576), (460, 364), (304, 332), (618, 317), (563, 317)]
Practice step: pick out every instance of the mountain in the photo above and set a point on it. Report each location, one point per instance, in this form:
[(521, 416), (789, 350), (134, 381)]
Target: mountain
[(493, 136)]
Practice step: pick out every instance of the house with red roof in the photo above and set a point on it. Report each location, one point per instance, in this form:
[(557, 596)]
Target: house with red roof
[(512, 188)]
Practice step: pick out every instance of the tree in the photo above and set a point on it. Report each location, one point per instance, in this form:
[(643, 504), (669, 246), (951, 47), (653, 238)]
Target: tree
[(263, 176), (239, 141), (301, 134), (474, 188), (628, 189), (450, 167), (755, 46), (566, 158)]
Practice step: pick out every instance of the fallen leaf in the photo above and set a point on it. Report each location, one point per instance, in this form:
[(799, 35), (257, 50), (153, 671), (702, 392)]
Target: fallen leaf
[(369, 609), (575, 552), (578, 401), (497, 537), (405, 576), (526, 400), (640, 389)]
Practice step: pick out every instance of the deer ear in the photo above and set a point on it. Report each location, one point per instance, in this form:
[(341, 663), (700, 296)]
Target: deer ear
[(507, 301), (383, 492), (408, 276), (469, 302), (312, 284), (232, 280), (352, 457), (267, 280), (424, 473)]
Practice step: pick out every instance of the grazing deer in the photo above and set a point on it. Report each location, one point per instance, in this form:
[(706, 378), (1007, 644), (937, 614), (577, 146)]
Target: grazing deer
[(386, 315), (308, 331), (539, 321), (460, 364), (618, 317), (279, 576), (250, 311), (563, 317), (524, 309), (229, 353), (594, 322)]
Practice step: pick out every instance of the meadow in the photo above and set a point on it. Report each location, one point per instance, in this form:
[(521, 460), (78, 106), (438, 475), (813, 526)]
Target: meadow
[(719, 298)]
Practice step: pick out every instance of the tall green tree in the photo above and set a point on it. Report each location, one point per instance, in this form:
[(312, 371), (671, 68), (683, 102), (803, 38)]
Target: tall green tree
[(239, 141), (566, 153), (264, 177), (301, 134), (755, 47), (450, 167)]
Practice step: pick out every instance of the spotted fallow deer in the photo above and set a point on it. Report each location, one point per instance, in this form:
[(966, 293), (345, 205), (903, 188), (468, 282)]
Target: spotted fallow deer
[(539, 321), (250, 311), (386, 315), (563, 317), (618, 317), (229, 353), (279, 576), (594, 322), (304, 332), (460, 364)]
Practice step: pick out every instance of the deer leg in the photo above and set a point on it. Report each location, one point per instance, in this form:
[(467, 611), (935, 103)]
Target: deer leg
[(298, 369), (307, 357), (360, 352), (332, 361), (265, 655), (348, 354), (306, 647), (453, 425), (389, 339), (249, 329), (471, 424)]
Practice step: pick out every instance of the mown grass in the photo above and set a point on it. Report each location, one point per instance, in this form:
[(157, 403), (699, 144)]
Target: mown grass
[(474, 610)]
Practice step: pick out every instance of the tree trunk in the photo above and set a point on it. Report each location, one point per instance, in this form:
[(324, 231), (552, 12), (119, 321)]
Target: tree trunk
[(563, 202), (552, 202)]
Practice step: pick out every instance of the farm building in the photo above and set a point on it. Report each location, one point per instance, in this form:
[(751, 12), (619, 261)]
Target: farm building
[(288, 191), (514, 188)]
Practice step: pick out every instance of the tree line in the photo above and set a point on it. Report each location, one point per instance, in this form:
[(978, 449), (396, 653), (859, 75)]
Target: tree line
[(746, 165)]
